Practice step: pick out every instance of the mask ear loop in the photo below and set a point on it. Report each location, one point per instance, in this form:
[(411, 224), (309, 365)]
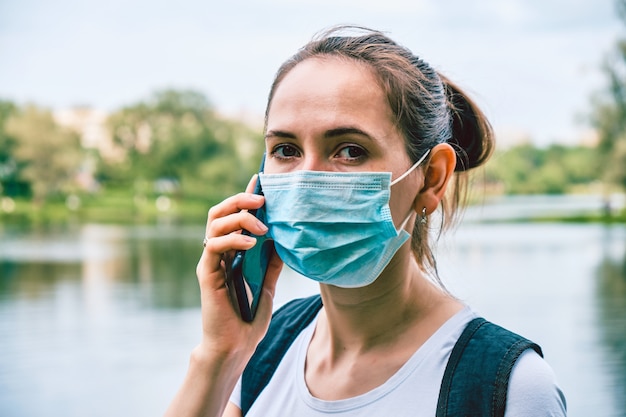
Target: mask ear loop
[(415, 165), (403, 176), (406, 220)]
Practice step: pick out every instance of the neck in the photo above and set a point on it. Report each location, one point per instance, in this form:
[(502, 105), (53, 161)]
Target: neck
[(402, 301)]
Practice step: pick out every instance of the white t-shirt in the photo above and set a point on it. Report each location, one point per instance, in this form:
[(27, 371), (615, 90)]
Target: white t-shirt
[(412, 391)]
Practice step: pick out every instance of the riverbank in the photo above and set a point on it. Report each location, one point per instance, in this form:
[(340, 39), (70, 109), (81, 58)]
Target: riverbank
[(568, 208), (117, 208)]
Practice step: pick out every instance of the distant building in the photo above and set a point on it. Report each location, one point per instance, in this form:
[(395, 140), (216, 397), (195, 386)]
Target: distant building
[(589, 138), (91, 125)]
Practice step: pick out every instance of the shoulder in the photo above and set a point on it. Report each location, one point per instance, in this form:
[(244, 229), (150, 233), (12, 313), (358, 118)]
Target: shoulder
[(533, 389), (495, 369)]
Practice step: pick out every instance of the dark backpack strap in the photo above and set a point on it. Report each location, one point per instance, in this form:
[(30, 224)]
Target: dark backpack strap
[(476, 378), (287, 323)]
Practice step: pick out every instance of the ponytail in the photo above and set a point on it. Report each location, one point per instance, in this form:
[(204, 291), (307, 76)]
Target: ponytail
[(472, 135), (472, 138)]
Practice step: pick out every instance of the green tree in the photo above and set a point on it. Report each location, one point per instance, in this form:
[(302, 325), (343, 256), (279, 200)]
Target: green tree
[(50, 155), (177, 135), (609, 112), (9, 167), (525, 169)]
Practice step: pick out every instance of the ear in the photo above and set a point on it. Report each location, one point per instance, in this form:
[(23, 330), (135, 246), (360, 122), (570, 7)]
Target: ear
[(436, 177)]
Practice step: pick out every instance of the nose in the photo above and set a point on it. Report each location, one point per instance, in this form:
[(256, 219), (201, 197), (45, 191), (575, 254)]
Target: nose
[(312, 161)]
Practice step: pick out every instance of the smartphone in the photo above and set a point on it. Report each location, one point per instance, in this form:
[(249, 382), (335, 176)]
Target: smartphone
[(246, 272)]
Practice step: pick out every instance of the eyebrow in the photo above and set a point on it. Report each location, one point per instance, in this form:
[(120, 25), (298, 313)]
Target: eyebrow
[(349, 130), (332, 133), (279, 134)]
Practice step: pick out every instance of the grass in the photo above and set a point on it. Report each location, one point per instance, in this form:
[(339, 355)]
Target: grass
[(121, 206), (112, 207)]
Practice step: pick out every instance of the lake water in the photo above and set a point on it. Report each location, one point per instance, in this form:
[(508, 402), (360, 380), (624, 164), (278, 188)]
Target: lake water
[(99, 320)]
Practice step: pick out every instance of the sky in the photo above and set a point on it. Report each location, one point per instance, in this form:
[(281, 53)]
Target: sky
[(532, 65)]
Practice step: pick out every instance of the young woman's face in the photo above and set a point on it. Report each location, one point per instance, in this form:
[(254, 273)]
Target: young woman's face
[(330, 114)]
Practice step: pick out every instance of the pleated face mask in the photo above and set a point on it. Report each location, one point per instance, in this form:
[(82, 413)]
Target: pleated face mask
[(334, 227)]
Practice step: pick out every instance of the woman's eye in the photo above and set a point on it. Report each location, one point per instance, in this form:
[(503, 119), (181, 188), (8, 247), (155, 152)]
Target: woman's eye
[(285, 151), (351, 152)]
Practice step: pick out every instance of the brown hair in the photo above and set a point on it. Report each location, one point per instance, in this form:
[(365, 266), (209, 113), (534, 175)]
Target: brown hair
[(429, 109)]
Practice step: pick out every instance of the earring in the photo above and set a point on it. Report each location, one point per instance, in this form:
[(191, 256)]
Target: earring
[(424, 218)]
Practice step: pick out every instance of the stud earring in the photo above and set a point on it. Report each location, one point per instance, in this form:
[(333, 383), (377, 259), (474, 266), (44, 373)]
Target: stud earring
[(424, 218)]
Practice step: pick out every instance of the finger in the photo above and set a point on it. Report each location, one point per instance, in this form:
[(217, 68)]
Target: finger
[(233, 204), (224, 220), (252, 183), (217, 246), (242, 201), (209, 279), (235, 222), (223, 235), (211, 269)]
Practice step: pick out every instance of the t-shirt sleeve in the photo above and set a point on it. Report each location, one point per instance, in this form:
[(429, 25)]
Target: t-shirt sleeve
[(235, 396), (533, 390)]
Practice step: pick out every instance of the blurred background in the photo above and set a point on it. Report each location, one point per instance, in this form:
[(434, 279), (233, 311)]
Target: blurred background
[(122, 122)]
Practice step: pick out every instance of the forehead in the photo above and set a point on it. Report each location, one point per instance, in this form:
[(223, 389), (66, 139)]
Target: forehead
[(329, 71), (331, 86)]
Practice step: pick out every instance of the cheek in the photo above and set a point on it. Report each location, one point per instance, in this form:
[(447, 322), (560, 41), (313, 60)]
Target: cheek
[(270, 166), (403, 197)]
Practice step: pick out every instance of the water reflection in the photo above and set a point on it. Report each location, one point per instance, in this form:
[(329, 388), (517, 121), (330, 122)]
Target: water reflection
[(611, 293), (162, 269), (95, 320), (25, 280), (155, 266)]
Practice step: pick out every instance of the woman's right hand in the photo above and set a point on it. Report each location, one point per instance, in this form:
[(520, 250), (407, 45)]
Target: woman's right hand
[(227, 341), (224, 333)]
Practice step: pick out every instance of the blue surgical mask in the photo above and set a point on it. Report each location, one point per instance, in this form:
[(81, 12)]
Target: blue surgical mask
[(334, 227)]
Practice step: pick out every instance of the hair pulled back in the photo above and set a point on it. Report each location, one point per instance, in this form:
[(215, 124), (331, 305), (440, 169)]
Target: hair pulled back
[(428, 109)]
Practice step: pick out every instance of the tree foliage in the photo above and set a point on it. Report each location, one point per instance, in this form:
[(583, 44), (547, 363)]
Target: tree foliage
[(9, 169), (48, 156), (558, 169), (609, 112), (176, 135)]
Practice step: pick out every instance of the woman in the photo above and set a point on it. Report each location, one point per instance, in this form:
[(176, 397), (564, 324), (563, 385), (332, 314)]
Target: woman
[(362, 141)]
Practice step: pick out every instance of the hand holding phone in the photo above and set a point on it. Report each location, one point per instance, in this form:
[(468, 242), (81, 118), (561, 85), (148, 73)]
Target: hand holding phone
[(246, 273)]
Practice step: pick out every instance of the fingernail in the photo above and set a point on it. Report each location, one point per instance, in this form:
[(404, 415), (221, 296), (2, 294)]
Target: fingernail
[(256, 197), (249, 238), (261, 226)]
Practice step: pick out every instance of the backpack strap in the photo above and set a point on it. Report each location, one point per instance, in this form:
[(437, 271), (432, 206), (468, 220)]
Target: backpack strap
[(476, 378), (287, 323)]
